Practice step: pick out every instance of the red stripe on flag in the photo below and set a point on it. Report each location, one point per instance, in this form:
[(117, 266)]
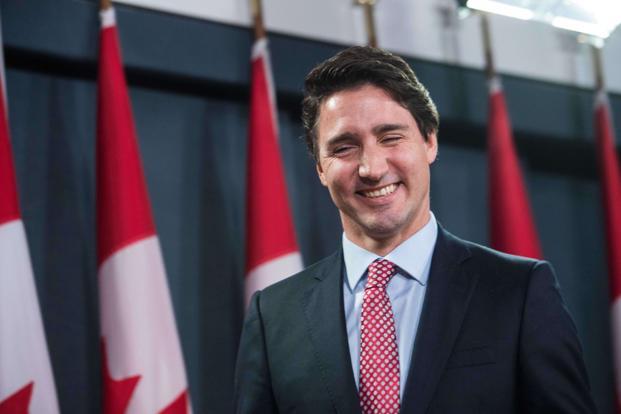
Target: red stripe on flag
[(9, 205), (512, 225), (611, 193), (269, 225), (123, 213)]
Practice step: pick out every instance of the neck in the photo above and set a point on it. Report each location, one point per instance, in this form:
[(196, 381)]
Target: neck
[(382, 244)]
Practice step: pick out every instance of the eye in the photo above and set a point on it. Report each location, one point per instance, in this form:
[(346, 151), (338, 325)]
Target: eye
[(391, 139), (344, 149)]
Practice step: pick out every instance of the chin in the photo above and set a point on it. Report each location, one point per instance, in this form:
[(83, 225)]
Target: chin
[(382, 229)]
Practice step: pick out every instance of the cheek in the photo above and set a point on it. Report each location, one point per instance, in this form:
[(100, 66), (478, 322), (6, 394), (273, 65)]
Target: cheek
[(409, 161), (413, 166), (339, 180)]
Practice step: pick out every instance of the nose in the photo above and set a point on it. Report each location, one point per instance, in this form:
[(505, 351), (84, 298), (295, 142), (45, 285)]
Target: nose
[(373, 164)]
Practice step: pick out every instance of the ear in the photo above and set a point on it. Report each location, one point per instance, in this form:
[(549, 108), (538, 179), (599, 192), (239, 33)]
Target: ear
[(431, 149), (321, 174)]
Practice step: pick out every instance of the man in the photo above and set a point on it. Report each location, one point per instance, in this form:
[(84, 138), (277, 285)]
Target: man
[(405, 317)]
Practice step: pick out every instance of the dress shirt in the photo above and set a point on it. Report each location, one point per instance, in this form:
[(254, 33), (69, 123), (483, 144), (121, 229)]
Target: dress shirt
[(406, 291)]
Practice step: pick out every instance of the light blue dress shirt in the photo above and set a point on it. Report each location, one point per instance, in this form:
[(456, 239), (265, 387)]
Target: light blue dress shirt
[(406, 291)]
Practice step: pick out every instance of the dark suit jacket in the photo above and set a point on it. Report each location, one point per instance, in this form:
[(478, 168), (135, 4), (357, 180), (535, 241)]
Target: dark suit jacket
[(494, 337)]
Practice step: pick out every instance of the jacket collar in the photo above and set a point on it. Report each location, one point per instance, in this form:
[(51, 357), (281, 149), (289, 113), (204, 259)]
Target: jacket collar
[(448, 294), (325, 319)]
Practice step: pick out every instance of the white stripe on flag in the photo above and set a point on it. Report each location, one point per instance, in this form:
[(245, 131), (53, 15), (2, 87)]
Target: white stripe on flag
[(23, 349), (108, 18), (271, 272), (260, 50), (495, 85), (139, 327)]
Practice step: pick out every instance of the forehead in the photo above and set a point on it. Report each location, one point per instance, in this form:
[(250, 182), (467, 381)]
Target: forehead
[(358, 109)]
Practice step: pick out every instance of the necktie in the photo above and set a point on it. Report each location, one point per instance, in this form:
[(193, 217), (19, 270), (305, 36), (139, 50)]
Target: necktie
[(379, 355)]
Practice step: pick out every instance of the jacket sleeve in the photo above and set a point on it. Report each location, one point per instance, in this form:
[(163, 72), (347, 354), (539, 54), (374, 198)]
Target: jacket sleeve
[(253, 389), (553, 377)]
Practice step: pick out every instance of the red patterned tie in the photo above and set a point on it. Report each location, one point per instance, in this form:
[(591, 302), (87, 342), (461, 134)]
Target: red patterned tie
[(379, 355)]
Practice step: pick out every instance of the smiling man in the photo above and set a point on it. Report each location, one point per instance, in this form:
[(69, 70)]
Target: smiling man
[(405, 317), (375, 163)]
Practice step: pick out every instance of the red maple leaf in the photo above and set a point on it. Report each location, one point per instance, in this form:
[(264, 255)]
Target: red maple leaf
[(18, 402), (178, 406), (117, 392)]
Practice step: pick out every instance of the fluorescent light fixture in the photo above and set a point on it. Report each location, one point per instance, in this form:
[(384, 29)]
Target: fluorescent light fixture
[(597, 18), (497, 7), (580, 27)]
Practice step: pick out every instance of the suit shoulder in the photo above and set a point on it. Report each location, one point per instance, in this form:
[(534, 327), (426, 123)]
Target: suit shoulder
[(282, 301), (298, 282), (499, 258), (498, 265)]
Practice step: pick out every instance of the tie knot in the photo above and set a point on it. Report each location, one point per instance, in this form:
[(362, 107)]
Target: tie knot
[(380, 273)]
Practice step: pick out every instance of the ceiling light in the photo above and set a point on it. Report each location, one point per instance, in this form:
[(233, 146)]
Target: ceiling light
[(497, 7), (597, 18)]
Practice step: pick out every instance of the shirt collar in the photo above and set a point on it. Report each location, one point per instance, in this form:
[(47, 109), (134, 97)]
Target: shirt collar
[(412, 256)]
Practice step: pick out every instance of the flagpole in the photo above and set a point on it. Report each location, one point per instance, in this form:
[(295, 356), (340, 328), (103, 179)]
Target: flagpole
[(596, 53), (257, 16), (369, 19), (490, 69), (272, 253), (610, 182), (512, 226), (105, 4)]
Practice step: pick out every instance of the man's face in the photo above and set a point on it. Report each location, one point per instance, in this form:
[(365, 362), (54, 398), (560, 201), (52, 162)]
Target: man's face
[(375, 163)]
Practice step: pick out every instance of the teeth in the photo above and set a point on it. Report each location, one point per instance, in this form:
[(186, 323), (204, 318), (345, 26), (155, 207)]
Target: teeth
[(381, 192)]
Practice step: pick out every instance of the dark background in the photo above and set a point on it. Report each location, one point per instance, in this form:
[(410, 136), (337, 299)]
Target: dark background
[(189, 88)]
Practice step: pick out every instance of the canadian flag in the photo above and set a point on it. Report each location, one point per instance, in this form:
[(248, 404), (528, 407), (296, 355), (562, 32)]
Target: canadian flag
[(271, 249), (511, 220), (26, 379), (610, 177), (143, 370)]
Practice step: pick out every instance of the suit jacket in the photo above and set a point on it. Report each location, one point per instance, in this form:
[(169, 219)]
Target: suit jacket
[(494, 337)]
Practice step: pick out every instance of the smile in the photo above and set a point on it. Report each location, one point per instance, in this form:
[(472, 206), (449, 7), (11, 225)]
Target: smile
[(380, 192)]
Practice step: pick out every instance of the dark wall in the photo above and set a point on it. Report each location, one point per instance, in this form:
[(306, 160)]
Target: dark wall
[(189, 82)]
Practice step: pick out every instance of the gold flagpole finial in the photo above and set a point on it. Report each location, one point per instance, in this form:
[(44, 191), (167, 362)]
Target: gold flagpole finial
[(598, 68), (369, 11), (105, 4), (487, 45), (257, 16)]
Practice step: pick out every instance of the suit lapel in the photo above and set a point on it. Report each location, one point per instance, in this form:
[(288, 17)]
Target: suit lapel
[(323, 307), (448, 294)]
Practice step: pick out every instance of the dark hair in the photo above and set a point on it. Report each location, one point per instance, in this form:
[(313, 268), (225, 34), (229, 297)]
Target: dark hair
[(358, 66)]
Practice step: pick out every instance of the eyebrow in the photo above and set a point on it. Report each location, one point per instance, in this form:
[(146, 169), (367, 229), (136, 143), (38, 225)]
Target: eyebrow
[(383, 128), (338, 139)]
